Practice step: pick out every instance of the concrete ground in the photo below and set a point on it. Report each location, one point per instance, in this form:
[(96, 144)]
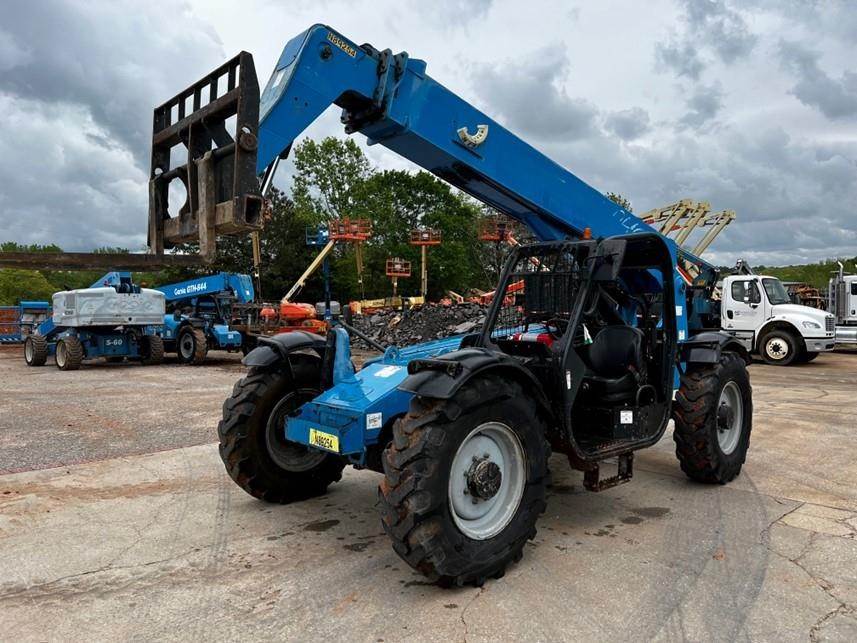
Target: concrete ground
[(117, 521)]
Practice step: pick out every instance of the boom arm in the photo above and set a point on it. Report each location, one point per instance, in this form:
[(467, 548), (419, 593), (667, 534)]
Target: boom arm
[(239, 285), (310, 270), (391, 100)]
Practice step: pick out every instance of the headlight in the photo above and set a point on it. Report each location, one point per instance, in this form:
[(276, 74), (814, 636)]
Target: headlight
[(811, 324)]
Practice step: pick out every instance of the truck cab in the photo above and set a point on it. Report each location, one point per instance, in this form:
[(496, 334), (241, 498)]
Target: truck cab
[(842, 302), (756, 309)]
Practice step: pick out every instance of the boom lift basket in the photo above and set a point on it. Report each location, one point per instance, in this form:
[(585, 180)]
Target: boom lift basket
[(398, 268), (217, 165), (495, 228)]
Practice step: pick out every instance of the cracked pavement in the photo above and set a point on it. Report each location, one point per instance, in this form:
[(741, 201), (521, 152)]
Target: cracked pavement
[(147, 538)]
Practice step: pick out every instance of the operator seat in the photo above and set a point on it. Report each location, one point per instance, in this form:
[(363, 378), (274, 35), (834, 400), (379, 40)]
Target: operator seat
[(615, 360)]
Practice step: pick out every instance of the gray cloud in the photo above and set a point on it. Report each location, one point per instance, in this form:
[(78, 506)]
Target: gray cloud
[(720, 27), (527, 93), (709, 26), (78, 82), (682, 58), (116, 59), (814, 87), (628, 124), (703, 105)]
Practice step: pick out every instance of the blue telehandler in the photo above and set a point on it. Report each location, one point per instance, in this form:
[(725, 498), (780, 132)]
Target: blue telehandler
[(199, 312), (113, 318), (600, 333)]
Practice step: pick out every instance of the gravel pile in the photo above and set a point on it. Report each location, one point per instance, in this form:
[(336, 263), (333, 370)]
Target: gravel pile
[(431, 321)]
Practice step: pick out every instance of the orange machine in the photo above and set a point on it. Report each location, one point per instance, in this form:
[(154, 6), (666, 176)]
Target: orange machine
[(298, 316)]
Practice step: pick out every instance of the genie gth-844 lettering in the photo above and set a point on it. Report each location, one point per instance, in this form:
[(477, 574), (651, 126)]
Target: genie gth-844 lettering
[(606, 329)]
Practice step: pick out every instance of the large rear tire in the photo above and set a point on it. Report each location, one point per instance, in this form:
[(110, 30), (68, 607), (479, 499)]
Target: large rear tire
[(151, 350), (713, 415), (35, 350), (465, 481), (191, 346), (70, 353), (252, 436)]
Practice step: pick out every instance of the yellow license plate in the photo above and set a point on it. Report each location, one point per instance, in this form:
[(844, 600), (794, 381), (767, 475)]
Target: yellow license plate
[(324, 440)]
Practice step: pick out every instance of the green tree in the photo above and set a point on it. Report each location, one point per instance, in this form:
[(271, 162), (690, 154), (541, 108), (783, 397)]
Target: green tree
[(620, 200), (399, 202), (12, 246), (329, 180), (21, 285)]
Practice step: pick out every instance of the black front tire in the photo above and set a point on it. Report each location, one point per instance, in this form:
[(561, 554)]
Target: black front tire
[(69, 354), (779, 347), (415, 495), (151, 350), (191, 346), (696, 418), (35, 350), (252, 447)]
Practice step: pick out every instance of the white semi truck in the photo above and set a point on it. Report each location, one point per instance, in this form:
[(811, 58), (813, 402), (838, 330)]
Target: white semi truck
[(756, 309), (842, 302)]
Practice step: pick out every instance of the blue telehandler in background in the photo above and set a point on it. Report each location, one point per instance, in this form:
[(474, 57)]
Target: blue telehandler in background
[(199, 312), (599, 334)]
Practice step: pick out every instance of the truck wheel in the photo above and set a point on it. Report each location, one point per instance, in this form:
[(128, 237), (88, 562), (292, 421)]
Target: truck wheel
[(35, 350), (252, 442), (69, 353), (778, 347), (465, 482), (151, 350), (713, 415), (191, 346)]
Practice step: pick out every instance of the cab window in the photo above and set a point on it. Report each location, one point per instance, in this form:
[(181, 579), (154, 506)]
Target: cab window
[(746, 292), (854, 287)]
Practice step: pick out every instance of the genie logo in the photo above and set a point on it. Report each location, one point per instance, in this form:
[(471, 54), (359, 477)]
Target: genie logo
[(191, 289), (630, 222)]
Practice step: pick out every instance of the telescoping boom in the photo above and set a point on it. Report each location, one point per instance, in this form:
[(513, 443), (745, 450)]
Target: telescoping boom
[(392, 101)]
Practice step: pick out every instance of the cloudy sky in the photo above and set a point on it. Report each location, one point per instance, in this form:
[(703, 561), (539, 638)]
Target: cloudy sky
[(751, 106)]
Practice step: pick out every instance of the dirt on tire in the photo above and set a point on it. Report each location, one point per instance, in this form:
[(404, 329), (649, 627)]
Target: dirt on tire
[(695, 414), (413, 496)]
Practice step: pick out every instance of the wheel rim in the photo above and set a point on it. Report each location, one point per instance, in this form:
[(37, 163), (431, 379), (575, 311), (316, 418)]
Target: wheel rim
[(288, 455), (486, 480), (28, 350), (730, 417), (186, 345), (61, 354), (777, 348)]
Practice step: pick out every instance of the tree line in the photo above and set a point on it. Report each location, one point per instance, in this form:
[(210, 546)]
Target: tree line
[(334, 180)]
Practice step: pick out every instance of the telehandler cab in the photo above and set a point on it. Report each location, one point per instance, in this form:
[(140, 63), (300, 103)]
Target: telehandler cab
[(589, 348)]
